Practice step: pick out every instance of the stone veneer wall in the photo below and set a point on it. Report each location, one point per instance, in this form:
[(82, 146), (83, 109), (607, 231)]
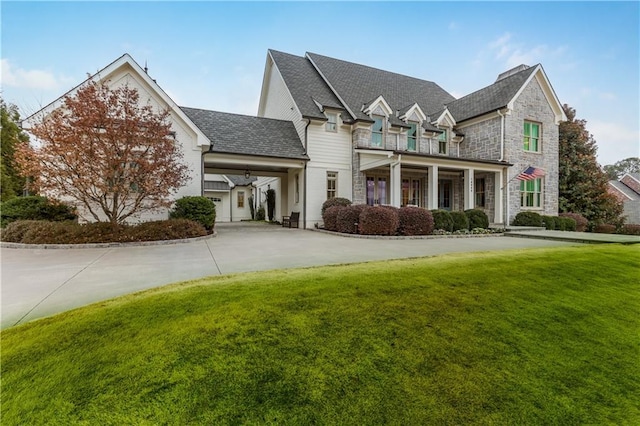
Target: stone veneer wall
[(532, 105), (482, 140), (359, 138)]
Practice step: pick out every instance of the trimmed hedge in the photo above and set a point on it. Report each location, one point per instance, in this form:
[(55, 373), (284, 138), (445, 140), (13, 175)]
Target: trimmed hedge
[(35, 208), (330, 217), (45, 232), (348, 217), (549, 222), (378, 220), (336, 201), (477, 219), (197, 208), (414, 221), (442, 220), (604, 228), (566, 224), (630, 229), (581, 221), (460, 221), (528, 219)]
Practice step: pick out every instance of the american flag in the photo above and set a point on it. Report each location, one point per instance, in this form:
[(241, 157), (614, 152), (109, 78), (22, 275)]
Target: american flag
[(530, 174)]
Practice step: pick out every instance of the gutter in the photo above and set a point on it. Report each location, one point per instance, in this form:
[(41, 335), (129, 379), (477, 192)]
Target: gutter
[(304, 195)]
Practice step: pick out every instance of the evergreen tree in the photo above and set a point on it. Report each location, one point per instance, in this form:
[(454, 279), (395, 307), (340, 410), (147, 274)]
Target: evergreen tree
[(11, 183), (620, 168), (582, 183)]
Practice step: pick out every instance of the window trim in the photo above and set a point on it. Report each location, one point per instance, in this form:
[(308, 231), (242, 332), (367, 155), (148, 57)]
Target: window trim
[(443, 142), (528, 139), (331, 126), (333, 178), (381, 132), (240, 199), (413, 126), (537, 197)]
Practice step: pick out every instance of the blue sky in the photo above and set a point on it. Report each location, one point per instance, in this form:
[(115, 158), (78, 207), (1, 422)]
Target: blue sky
[(211, 54)]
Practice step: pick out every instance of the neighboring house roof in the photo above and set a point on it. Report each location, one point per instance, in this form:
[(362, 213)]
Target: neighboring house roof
[(491, 98), (305, 84), (214, 185), (247, 135), (357, 84), (628, 191), (623, 189), (238, 180)]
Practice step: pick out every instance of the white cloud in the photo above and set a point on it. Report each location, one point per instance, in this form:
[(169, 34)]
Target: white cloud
[(453, 26), (514, 53), (615, 141), (29, 79)]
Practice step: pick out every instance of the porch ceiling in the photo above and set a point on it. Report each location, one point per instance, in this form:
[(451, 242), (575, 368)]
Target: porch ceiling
[(224, 163), (373, 159)]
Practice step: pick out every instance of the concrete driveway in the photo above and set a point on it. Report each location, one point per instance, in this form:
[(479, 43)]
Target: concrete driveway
[(42, 282)]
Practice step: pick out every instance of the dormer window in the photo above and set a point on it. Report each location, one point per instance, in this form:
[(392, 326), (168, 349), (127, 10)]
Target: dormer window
[(376, 132), (442, 142), (411, 137), (332, 122)]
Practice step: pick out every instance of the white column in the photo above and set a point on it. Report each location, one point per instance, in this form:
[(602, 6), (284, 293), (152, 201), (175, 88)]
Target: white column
[(469, 196), (432, 196), (498, 190), (396, 184)]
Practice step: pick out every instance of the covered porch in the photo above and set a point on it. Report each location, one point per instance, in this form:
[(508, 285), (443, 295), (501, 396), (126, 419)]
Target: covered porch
[(431, 181)]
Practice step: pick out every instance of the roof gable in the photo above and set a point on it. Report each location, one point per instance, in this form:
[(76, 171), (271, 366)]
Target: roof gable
[(412, 113), (128, 64)]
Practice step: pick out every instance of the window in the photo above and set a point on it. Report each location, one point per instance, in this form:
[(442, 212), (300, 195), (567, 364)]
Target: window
[(332, 122), (480, 194), (411, 192), (442, 142), (297, 188), (531, 193), (411, 137), (332, 184), (240, 199), (376, 132), (531, 137)]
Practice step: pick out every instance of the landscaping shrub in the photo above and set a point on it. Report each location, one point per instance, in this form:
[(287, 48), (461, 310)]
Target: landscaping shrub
[(528, 219), (378, 221), (330, 217), (336, 201), (477, 218), (35, 208), (630, 229), (460, 221), (442, 220), (566, 224), (581, 221), (549, 222), (348, 217), (260, 214), (604, 228), (45, 232), (197, 208), (414, 221)]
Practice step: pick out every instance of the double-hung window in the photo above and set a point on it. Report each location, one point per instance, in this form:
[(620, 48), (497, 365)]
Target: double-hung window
[(332, 122), (442, 142), (531, 136), (332, 183), (531, 193), (240, 199), (411, 137), (376, 132)]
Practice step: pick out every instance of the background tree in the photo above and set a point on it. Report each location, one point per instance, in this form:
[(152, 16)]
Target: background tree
[(11, 182), (107, 153), (622, 167), (582, 183)]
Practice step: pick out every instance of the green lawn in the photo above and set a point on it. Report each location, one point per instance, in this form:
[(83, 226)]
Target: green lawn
[(547, 336)]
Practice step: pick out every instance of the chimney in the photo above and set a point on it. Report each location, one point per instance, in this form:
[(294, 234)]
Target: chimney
[(512, 71)]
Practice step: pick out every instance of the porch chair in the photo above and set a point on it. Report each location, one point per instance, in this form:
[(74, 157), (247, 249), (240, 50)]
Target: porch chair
[(290, 221)]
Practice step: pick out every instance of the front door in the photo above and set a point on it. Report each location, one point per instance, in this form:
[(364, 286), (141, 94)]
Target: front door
[(376, 190), (411, 192), (445, 194)]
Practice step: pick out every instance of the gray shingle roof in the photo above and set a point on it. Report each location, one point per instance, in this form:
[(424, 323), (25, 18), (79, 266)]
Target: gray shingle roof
[(305, 84), (490, 98), (243, 134), (241, 180), (358, 84)]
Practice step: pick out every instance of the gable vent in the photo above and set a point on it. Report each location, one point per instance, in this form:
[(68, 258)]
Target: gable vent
[(512, 71)]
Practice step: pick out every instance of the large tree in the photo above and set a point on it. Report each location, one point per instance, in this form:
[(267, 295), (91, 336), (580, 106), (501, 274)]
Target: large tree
[(582, 183), (106, 152), (11, 137), (622, 167)]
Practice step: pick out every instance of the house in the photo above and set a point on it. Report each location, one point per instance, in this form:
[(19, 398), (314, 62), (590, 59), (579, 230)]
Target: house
[(331, 128), (377, 137), (627, 191)]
